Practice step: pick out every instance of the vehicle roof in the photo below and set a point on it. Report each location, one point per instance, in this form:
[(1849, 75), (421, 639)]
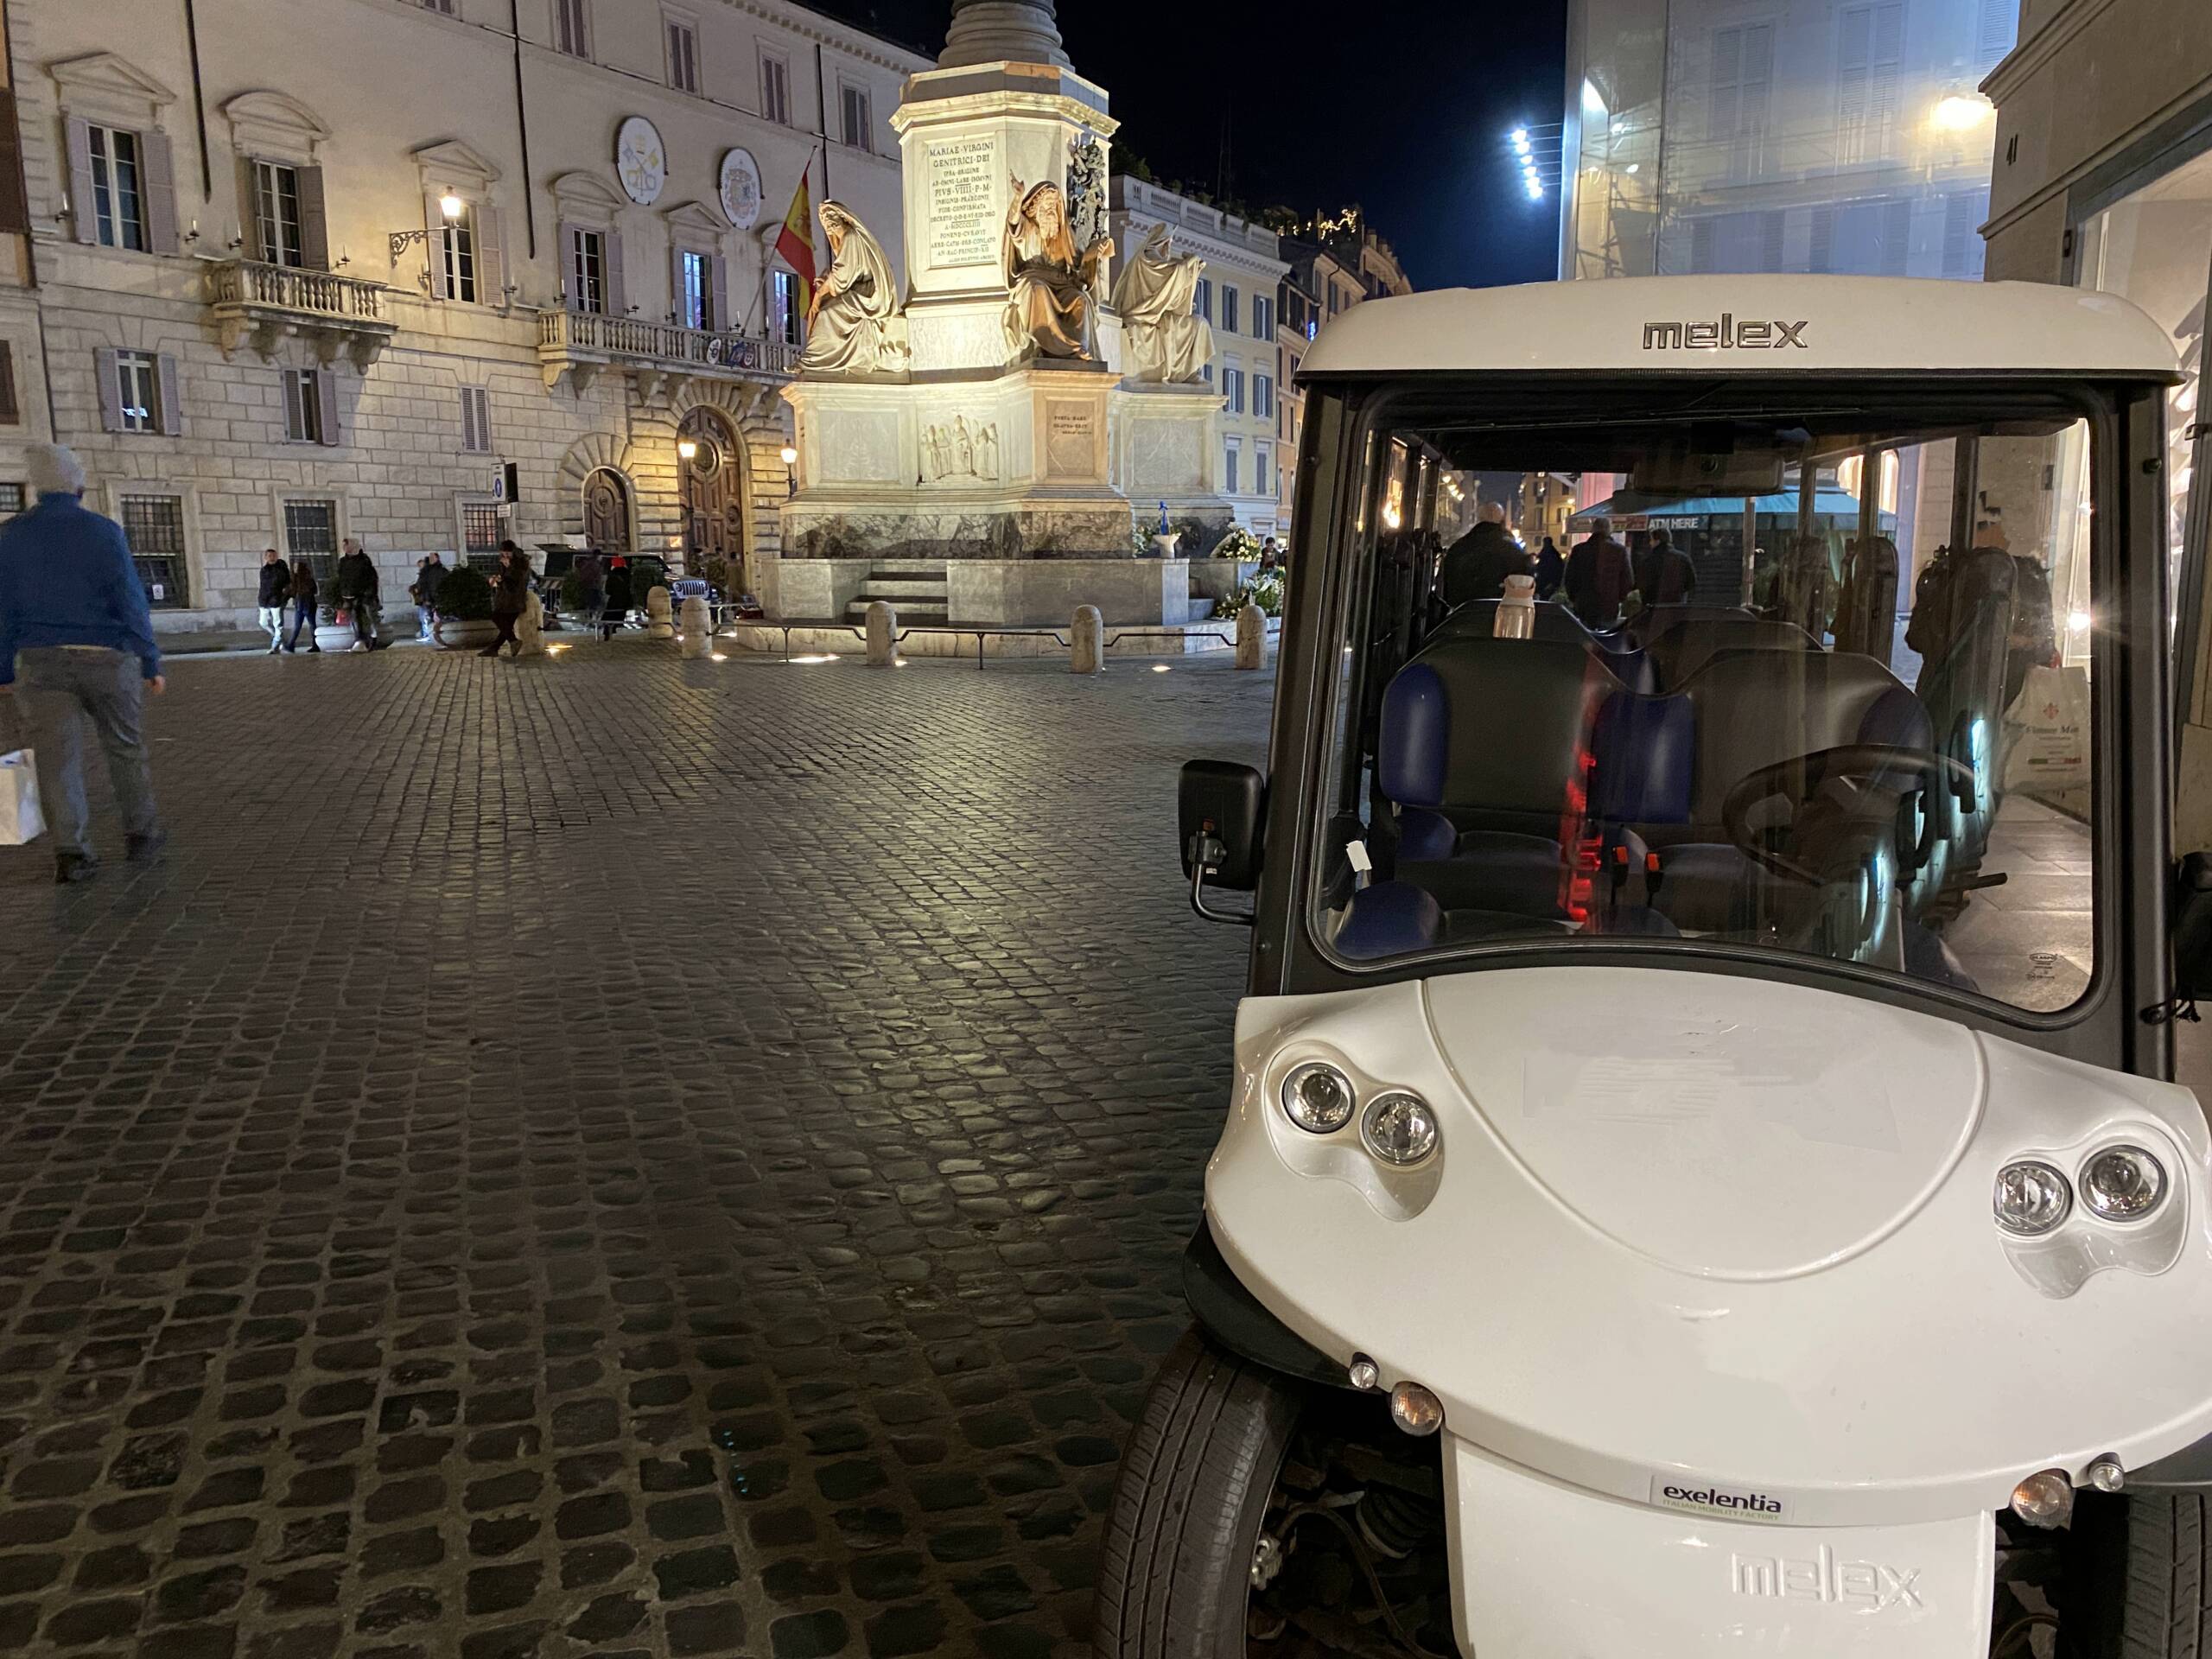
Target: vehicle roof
[(1864, 324)]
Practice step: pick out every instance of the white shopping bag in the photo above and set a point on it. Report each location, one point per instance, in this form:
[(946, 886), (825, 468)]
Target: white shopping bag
[(2047, 730), (21, 821)]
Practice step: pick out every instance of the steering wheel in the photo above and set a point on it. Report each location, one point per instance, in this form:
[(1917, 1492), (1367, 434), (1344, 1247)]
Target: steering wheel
[(1872, 763)]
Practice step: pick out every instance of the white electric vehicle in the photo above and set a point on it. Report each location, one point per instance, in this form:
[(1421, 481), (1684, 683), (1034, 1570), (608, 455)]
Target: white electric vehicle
[(1701, 1177)]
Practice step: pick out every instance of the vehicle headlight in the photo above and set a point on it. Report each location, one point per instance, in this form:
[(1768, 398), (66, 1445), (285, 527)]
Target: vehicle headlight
[(2031, 1198), (1398, 1128), (2123, 1183), (1318, 1097)]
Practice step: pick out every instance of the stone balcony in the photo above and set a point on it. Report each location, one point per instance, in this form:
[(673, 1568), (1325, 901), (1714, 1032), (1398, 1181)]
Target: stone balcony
[(580, 344), (260, 306)]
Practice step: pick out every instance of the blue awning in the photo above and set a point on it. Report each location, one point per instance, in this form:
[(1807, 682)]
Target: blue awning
[(1781, 505)]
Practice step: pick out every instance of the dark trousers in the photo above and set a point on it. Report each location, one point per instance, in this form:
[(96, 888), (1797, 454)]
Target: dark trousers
[(303, 617), (505, 622)]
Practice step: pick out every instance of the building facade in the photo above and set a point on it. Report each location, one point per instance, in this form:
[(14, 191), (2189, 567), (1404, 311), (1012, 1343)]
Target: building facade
[(336, 279), (1837, 135), (1331, 265), (1237, 297), (1841, 135), (2103, 179)]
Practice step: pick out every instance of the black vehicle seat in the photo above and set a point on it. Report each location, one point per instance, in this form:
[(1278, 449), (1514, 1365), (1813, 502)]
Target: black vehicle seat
[(1484, 747), (1665, 767), (1679, 654), (1623, 652)]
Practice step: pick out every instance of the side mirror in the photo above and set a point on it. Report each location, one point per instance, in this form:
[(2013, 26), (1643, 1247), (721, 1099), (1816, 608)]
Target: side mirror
[(2190, 926), (1221, 817)]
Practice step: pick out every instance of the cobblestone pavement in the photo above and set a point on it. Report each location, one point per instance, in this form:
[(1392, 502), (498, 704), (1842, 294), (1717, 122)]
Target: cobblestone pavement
[(607, 1155)]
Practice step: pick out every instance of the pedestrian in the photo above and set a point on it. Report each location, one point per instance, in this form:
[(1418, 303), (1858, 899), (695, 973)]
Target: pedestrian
[(428, 581), (1664, 576), (510, 594), (357, 591), (276, 588), (1476, 565), (303, 590), (77, 645), (1551, 569), (1599, 577), (618, 597), (591, 578)]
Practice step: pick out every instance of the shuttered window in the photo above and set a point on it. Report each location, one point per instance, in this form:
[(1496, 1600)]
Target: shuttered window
[(683, 56), (571, 27), (775, 89), (853, 101), (11, 409), (310, 406), (1870, 62), (476, 420)]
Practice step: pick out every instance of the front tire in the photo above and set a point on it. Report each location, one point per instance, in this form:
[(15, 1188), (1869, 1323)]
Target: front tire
[(2139, 1582), (1188, 1504)]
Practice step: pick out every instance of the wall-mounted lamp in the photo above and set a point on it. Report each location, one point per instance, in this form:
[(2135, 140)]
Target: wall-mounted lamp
[(686, 447), (450, 207)]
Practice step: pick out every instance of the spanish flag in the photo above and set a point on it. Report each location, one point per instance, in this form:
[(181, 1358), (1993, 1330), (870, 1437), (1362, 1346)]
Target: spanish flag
[(795, 242)]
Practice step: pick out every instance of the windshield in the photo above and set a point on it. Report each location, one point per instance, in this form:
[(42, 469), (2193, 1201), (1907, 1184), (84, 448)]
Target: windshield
[(1800, 669)]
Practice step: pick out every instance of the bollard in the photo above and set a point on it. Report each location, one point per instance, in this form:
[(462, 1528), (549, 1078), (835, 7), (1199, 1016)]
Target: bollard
[(1251, 637), (882, 634), (530, 628), (698, 628), (1087, 637), (660, 623)]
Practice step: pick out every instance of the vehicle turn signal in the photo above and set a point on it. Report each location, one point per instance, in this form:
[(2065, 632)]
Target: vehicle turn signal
[(1416, 1410)]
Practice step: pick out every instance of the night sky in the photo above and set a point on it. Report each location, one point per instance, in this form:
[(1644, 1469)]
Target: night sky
[(1402, 106)]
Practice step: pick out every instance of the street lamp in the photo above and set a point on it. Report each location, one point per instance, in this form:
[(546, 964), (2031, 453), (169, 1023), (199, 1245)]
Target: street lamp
[(450, 208), (791, 479)]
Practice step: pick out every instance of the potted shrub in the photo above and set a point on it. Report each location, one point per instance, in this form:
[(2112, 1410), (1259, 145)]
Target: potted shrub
[(465, 610)]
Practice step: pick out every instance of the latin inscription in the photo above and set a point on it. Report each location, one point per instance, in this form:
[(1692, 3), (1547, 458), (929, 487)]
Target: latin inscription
[(962, 173)]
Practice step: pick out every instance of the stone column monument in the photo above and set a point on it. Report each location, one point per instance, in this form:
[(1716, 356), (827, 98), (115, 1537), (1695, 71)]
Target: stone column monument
[(986, 426)]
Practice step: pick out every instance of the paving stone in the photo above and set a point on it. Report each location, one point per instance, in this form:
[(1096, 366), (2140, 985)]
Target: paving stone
[(776, 1273)]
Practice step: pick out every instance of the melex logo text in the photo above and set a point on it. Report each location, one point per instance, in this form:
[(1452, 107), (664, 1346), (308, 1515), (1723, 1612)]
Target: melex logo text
[(1863, 1586), (1726, 335), (1709, 1499)]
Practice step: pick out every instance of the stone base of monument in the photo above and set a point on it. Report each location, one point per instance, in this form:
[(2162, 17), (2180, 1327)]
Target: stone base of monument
[(1003, 593), (1152, 642)]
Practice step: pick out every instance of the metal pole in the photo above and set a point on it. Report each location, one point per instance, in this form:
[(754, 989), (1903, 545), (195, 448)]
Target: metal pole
[(1751, 538)]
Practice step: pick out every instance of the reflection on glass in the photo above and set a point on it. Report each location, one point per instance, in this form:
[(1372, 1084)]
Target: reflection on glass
[(1878, 758)]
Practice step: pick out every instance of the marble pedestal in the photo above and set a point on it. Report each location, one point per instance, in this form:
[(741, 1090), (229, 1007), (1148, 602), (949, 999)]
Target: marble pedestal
[(1167, 451), (1011, 467)]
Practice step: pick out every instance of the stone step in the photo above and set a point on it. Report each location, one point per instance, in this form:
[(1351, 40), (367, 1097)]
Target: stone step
[(922, 610), (909, 566), (907, 581)]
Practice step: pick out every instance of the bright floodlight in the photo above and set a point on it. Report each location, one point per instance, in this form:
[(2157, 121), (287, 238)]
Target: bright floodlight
[(1520, 135), (1963, 112)]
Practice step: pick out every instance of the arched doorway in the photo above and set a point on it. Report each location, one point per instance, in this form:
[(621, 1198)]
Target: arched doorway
[(607, 511), (710, 492)]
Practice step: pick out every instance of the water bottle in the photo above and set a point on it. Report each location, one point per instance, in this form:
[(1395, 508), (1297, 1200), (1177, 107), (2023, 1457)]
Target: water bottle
[(1516, 612)]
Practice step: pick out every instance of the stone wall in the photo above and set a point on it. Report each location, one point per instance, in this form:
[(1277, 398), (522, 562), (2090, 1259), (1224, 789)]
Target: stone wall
[(398, 474)]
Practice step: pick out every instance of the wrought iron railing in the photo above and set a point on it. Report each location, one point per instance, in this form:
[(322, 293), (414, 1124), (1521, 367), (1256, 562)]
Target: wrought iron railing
[(320, 293), (585, 331)]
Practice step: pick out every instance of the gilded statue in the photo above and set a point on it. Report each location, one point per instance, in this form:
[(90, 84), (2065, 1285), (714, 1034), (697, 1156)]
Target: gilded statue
[(854, 325), (1049, 310), (1163, 339)]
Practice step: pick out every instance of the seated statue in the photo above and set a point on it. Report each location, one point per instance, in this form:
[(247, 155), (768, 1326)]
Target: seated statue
[(1164, 340), (1048, 310), (854, 325)]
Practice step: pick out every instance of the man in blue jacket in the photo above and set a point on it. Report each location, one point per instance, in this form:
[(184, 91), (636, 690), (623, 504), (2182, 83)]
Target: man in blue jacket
[(77, 645)]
